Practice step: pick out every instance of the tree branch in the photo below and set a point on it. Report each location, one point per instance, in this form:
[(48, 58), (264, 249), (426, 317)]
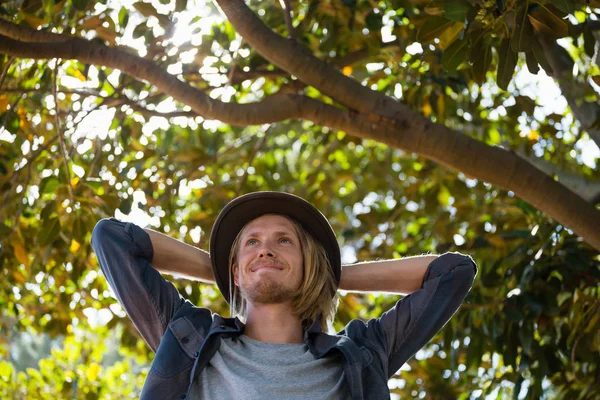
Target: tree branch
[(299, 61), (588, 190), (409, 132), (587, 113), (26, 34)]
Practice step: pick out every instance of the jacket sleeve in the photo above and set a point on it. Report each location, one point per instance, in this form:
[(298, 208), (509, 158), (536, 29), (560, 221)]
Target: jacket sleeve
[(125, 252), (416, 318)]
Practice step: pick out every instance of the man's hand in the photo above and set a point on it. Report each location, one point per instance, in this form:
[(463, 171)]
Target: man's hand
[(402, 276), (177, 258)]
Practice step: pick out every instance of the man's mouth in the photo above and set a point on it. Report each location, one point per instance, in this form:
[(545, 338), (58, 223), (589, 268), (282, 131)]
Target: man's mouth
[(266, 266)]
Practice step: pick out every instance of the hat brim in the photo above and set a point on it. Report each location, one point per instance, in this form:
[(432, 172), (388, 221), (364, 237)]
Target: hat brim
[(237, 213)]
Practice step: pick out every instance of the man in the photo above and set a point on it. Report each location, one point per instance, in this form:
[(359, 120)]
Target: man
[(276, 260)]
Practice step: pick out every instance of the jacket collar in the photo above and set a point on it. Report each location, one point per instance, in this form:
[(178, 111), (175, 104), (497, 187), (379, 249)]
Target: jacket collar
[(222, 324)]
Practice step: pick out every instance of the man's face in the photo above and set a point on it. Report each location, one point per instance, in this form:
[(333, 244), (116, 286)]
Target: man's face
[(270, 263)]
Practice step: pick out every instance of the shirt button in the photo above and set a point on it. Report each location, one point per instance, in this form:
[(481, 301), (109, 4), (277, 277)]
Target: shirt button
[(196, 354), (183, 396), (222, 327), (184, 340)]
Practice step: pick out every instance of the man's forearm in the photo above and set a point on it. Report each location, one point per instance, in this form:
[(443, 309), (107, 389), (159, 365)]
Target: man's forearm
[(403, 275), (177, 258)]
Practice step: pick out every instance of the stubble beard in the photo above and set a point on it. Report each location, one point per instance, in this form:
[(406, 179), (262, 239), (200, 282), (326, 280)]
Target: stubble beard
[(266, 291)]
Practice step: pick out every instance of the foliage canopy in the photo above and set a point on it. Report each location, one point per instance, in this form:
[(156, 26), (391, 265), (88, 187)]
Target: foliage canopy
[(476, 94)]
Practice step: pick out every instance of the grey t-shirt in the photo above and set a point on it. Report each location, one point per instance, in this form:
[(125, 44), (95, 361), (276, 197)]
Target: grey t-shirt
[(248, 369)]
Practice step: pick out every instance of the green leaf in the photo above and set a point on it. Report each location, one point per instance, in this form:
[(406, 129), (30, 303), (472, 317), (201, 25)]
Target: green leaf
[(481, 57), (80, 5), (4, 231), (432, 28), (123, 17), (589, 41), (455, 55), (49, 232), (48, 7), (139, 31), (146, 9), (373, 21), (444, 196), (96, 184), (546, 22), (49, 184), (540, 56), (48, 211), (6, 370), (522, 39), (532, 63), (79, 230), (562, 297), (450, 34), (566, 6), (495, 137), (457, 10), (506, 64), (180, 5), (125, 206)]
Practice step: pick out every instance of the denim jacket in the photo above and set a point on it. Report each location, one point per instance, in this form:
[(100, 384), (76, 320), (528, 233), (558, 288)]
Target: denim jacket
[(185, 337)]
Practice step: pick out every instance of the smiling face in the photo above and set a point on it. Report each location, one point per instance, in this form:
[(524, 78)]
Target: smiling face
[(269, 262)]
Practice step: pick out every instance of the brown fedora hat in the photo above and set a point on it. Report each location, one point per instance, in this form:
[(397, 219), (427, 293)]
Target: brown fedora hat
[(237, 213)]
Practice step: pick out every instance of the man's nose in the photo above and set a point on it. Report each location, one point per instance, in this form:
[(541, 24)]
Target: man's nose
[(266, 251)]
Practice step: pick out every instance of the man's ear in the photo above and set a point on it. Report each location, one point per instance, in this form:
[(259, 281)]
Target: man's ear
[(235, 269)]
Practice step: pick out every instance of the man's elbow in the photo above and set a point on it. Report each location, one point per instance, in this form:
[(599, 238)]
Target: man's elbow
[(104, 229), (454, 261)]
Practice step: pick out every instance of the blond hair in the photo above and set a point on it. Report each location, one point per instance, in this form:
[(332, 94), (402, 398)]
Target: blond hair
[(316, 296)]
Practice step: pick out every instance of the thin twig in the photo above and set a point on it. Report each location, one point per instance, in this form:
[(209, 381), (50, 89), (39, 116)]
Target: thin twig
[(255, 151), (86, 92), (5, 71), (287, 12), (153, 113), (20, 207), (234, 64), (63, 148), (97, 155), (12, 110)]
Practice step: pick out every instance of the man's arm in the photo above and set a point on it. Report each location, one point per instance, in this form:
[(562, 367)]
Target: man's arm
[(400, 332), (402, 276), (125, 255), (177, 258)]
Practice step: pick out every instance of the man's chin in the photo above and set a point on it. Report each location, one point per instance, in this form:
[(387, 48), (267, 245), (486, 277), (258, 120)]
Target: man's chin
[(268, 292)]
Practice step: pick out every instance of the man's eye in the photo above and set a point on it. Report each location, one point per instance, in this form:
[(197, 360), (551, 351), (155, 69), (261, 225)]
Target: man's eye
[(250, 242), (285, 240)]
